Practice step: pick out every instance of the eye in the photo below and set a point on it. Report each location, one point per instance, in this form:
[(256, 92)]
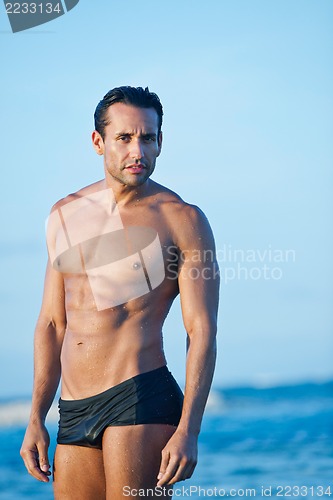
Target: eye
[(124, 138), (149, 138)]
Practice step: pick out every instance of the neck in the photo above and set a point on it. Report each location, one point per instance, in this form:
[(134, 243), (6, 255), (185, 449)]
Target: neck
[(126, 195)]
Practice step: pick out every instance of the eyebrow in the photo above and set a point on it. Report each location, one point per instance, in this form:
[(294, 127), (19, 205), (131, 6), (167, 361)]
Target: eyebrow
[(131, 134)]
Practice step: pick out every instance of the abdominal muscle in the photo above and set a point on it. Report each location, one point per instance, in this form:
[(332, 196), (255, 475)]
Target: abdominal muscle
[(103, 348), (93, 361)]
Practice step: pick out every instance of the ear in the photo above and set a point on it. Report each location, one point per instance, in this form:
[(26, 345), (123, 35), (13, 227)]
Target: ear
[(159, 142), (98, 142)]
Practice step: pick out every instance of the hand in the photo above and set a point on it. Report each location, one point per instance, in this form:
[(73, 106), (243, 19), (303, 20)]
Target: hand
[(179, 458), (34, 452)]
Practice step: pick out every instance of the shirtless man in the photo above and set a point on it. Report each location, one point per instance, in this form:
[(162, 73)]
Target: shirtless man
[(124, 424)]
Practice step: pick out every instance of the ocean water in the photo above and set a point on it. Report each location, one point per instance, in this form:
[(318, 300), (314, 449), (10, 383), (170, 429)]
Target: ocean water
[(255, 442)]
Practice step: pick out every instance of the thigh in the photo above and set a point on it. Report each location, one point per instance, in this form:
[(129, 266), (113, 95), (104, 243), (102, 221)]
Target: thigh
[(78, 473), (132, 458)]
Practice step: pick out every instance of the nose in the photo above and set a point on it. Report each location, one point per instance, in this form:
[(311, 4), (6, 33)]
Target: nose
[(137, 149)]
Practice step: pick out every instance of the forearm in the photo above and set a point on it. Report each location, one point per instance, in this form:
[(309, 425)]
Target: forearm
[(179, 457), (49, 335), (47, 368), (200, 365)]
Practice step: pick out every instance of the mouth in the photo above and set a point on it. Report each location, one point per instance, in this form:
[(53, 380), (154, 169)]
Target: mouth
[(136, 168)]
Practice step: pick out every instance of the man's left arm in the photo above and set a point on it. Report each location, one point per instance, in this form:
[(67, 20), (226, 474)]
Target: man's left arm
[(199, 289)]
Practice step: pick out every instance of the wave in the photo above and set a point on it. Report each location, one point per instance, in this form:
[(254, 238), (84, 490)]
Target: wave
[(17, 413), (307, 397)]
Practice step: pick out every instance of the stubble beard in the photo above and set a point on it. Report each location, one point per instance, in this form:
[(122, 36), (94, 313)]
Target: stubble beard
[(132, 180)]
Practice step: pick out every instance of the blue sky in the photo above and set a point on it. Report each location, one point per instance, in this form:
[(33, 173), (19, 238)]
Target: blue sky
[(247, 94)]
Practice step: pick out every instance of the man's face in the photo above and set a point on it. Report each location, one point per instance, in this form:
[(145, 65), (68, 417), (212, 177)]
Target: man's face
[(131, 143)]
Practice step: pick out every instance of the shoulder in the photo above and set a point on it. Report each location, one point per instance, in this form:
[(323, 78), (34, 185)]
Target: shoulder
[(193, 227), (85, 191), (171, 202), (187, 221)]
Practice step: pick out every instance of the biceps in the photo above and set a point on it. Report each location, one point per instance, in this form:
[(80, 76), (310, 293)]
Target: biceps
[(199, 293), (53, 304)]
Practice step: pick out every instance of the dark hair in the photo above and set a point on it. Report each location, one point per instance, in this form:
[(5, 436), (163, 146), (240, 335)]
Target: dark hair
[(135, 96)]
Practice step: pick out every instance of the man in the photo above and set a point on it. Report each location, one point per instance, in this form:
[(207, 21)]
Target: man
[(120, 251)]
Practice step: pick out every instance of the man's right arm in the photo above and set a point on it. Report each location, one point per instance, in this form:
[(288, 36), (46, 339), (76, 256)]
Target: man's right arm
[(49, 334)]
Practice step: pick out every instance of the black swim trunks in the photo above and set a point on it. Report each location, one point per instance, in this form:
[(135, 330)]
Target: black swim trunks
[(148, 398)]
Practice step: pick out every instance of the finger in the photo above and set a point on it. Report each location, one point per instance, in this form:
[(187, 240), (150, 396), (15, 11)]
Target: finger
[(169, 473), (32, 466), (44, 463), (191, 470), (177, 476), (43, 459), (184, 471), (164, 464)]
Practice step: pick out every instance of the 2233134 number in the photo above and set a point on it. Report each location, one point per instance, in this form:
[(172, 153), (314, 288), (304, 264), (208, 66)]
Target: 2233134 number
[(33, 8), (304, 491)]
